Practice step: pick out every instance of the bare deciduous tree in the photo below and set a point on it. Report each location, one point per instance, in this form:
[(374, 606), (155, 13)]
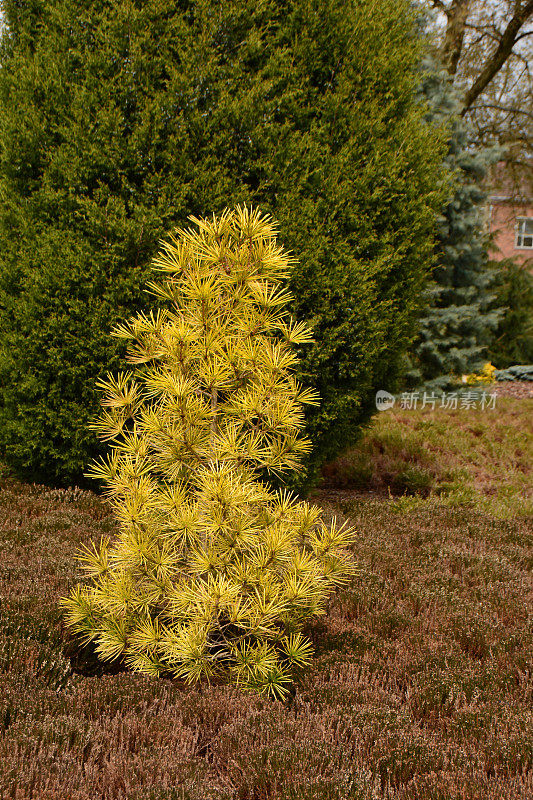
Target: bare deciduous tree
[(487, 48)]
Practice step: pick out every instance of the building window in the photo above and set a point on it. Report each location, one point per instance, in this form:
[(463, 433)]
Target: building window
[(524, 232)]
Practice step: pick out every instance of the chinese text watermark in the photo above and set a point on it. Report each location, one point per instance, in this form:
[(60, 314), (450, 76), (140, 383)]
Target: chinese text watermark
[(482, 401)]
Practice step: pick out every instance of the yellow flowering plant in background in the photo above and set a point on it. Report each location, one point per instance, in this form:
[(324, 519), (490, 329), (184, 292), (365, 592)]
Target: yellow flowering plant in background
[(212, 574), (485, 376)]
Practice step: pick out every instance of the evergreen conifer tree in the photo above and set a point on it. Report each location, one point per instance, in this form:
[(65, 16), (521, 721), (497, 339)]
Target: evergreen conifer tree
[(458, 324), (513, 340), (119, 119), (212, 573)]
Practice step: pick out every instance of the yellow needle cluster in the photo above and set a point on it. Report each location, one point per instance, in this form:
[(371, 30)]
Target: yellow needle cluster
[(212, 574)]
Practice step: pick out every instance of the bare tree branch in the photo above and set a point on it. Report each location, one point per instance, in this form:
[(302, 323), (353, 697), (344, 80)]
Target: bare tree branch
[(505, 109), (455, 33), (487, 48), (500, 55), (440, 5), (523, 36)]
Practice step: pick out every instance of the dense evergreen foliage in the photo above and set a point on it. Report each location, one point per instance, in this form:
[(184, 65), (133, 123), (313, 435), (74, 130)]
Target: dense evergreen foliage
[(458, 323), (513, 340), (212, 574), (119, 119)]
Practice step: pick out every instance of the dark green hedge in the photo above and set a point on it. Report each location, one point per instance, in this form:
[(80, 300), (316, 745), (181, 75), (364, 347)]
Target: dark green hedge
[(119, 119)]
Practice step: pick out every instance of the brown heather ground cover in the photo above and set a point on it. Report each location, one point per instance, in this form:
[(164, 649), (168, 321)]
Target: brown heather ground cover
[(422, 686)]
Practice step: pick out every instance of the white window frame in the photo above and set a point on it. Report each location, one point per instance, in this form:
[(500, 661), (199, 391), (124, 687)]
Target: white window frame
[(520, 233)]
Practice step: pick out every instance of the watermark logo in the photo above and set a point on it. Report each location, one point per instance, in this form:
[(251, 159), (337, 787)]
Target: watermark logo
[(451, 401), (384, 400)]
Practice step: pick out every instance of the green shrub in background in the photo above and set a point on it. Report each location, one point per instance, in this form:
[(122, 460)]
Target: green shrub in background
[(212, 574), (516, 372), (118, 120), (513, 341)]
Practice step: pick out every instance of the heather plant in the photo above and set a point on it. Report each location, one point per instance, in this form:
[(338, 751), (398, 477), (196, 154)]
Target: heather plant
[(421, 683), (212, 573)]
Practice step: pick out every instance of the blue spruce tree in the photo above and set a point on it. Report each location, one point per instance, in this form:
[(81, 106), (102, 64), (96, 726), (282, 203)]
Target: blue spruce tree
[(458, 323)]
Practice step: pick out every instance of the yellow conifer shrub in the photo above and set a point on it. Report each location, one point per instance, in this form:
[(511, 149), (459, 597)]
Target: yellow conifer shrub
[(212, 574)]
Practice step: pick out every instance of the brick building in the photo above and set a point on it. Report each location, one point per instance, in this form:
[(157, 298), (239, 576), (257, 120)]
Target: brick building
[(510, 215)]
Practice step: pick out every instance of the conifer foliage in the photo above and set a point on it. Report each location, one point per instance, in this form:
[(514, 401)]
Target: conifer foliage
[(458, 323), (119, 119), (212, 573)]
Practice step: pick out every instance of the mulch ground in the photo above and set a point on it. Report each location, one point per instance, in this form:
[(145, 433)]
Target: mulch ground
[(513, 388)]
